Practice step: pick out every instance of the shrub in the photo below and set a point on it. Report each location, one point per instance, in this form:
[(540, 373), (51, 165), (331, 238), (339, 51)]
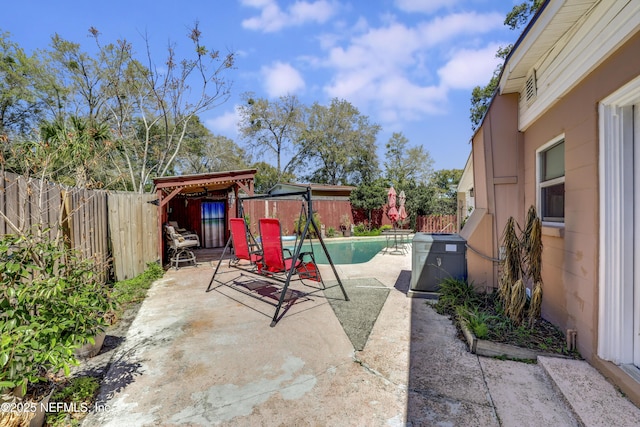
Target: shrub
[(454, 293), (361, 230), (302, 220), (50, 304)]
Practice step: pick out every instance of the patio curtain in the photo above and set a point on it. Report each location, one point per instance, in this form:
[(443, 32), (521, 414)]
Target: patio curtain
[(213, 224)]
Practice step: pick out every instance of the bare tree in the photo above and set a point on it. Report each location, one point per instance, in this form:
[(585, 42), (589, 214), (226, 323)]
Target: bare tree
[(150, 107)]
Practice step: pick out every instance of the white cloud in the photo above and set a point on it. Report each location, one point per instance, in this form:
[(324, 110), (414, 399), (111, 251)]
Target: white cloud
[(403, 72), (281, 79), (272, 18), (446, 28), (469, 68), (225, 124), (425, 6)]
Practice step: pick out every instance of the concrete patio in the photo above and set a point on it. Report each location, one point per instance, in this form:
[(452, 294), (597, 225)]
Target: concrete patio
[(210, 358)]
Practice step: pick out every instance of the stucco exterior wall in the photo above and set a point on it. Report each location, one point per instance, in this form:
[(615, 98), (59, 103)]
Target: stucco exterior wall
[(570, 262), (498, 176)]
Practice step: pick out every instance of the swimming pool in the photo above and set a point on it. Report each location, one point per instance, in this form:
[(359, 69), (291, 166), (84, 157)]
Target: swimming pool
[(344, 251)]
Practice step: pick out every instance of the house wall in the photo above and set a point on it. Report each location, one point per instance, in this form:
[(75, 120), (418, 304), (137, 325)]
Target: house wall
[(498, 176), (466, 202), (570, 255), (573, 78)]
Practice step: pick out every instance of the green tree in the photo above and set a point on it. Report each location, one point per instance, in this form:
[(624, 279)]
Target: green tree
[(271, 128), (80, 149), (267, 176), (147, 110), (339, 145), (20, 107), (521, 13), (481, 95), (369, 196), (481, 98), (406, 166), (444, 183), (419, 201), (204, 152)]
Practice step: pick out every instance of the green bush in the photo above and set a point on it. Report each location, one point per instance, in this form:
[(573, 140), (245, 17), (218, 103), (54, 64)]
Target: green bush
[(299, 224), (361, 230), (454, 293), (50, 304)]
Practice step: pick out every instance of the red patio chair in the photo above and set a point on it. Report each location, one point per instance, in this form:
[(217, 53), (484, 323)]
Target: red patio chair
[(244, 248), (274, 260)]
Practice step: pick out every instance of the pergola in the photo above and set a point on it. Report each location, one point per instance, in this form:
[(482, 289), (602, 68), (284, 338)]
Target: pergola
[(198, 186)]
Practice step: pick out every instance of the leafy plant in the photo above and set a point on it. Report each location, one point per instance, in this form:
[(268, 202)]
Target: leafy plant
[(345, 221), (477, 320), (361, 230), (485, 317), (369, 196), (301, 222), (454, 293), (522, 263), (79, 389), (79, 393), (50, 304), (134, 290)]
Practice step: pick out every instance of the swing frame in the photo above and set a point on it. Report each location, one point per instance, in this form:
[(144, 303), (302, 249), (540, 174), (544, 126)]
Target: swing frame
[(276, 191)]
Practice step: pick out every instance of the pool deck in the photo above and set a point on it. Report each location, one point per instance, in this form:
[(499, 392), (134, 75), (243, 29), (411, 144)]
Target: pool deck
[(200, 358)]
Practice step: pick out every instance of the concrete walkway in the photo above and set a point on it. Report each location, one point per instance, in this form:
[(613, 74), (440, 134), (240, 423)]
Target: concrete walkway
[(210, 358)]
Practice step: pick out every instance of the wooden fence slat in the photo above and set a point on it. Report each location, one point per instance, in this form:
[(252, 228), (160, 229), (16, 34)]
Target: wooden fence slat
[(11, 201), (3, 206), (114, 235), (54, 200), (23, 204), (138, 231), (132, 225), (436, 224)]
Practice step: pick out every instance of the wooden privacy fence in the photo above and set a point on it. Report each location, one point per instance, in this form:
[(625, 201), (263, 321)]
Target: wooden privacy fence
[(436, 224), (329, 210), (116, 227), (84, 225), (133, 226)]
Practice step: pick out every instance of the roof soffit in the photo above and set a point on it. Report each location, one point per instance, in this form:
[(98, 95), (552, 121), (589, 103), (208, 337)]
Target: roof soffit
[(550, 31)]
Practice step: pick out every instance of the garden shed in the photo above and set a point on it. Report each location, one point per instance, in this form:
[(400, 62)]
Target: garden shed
[(202, 203)]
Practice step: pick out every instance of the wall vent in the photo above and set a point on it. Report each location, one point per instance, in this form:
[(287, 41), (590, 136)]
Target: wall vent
[(531, 90)]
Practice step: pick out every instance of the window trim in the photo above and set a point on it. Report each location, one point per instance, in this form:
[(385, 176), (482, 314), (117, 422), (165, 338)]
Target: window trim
[(554, 181)]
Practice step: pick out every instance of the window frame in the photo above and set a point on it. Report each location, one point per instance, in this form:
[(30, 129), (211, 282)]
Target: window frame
[(540, 185)]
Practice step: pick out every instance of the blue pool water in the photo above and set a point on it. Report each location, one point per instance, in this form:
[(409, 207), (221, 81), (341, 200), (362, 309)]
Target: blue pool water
[(344, 252)]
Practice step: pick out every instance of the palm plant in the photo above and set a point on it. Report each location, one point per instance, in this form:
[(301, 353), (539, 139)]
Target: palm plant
[(522, 263)]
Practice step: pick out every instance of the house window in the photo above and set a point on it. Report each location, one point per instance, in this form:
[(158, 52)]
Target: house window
[(551, 181)]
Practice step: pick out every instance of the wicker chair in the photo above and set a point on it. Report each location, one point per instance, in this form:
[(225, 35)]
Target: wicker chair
[(179, 247)]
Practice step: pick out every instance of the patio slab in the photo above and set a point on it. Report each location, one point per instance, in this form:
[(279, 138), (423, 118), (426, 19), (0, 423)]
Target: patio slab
[(211, 358)]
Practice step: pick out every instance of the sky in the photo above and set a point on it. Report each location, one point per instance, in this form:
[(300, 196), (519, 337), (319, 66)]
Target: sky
[(408, 65)]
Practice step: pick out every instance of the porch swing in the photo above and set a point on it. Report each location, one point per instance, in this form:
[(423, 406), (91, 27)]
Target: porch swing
[(265, 257)]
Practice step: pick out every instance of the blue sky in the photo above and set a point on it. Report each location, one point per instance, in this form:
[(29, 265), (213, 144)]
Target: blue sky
[(409, 65)]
